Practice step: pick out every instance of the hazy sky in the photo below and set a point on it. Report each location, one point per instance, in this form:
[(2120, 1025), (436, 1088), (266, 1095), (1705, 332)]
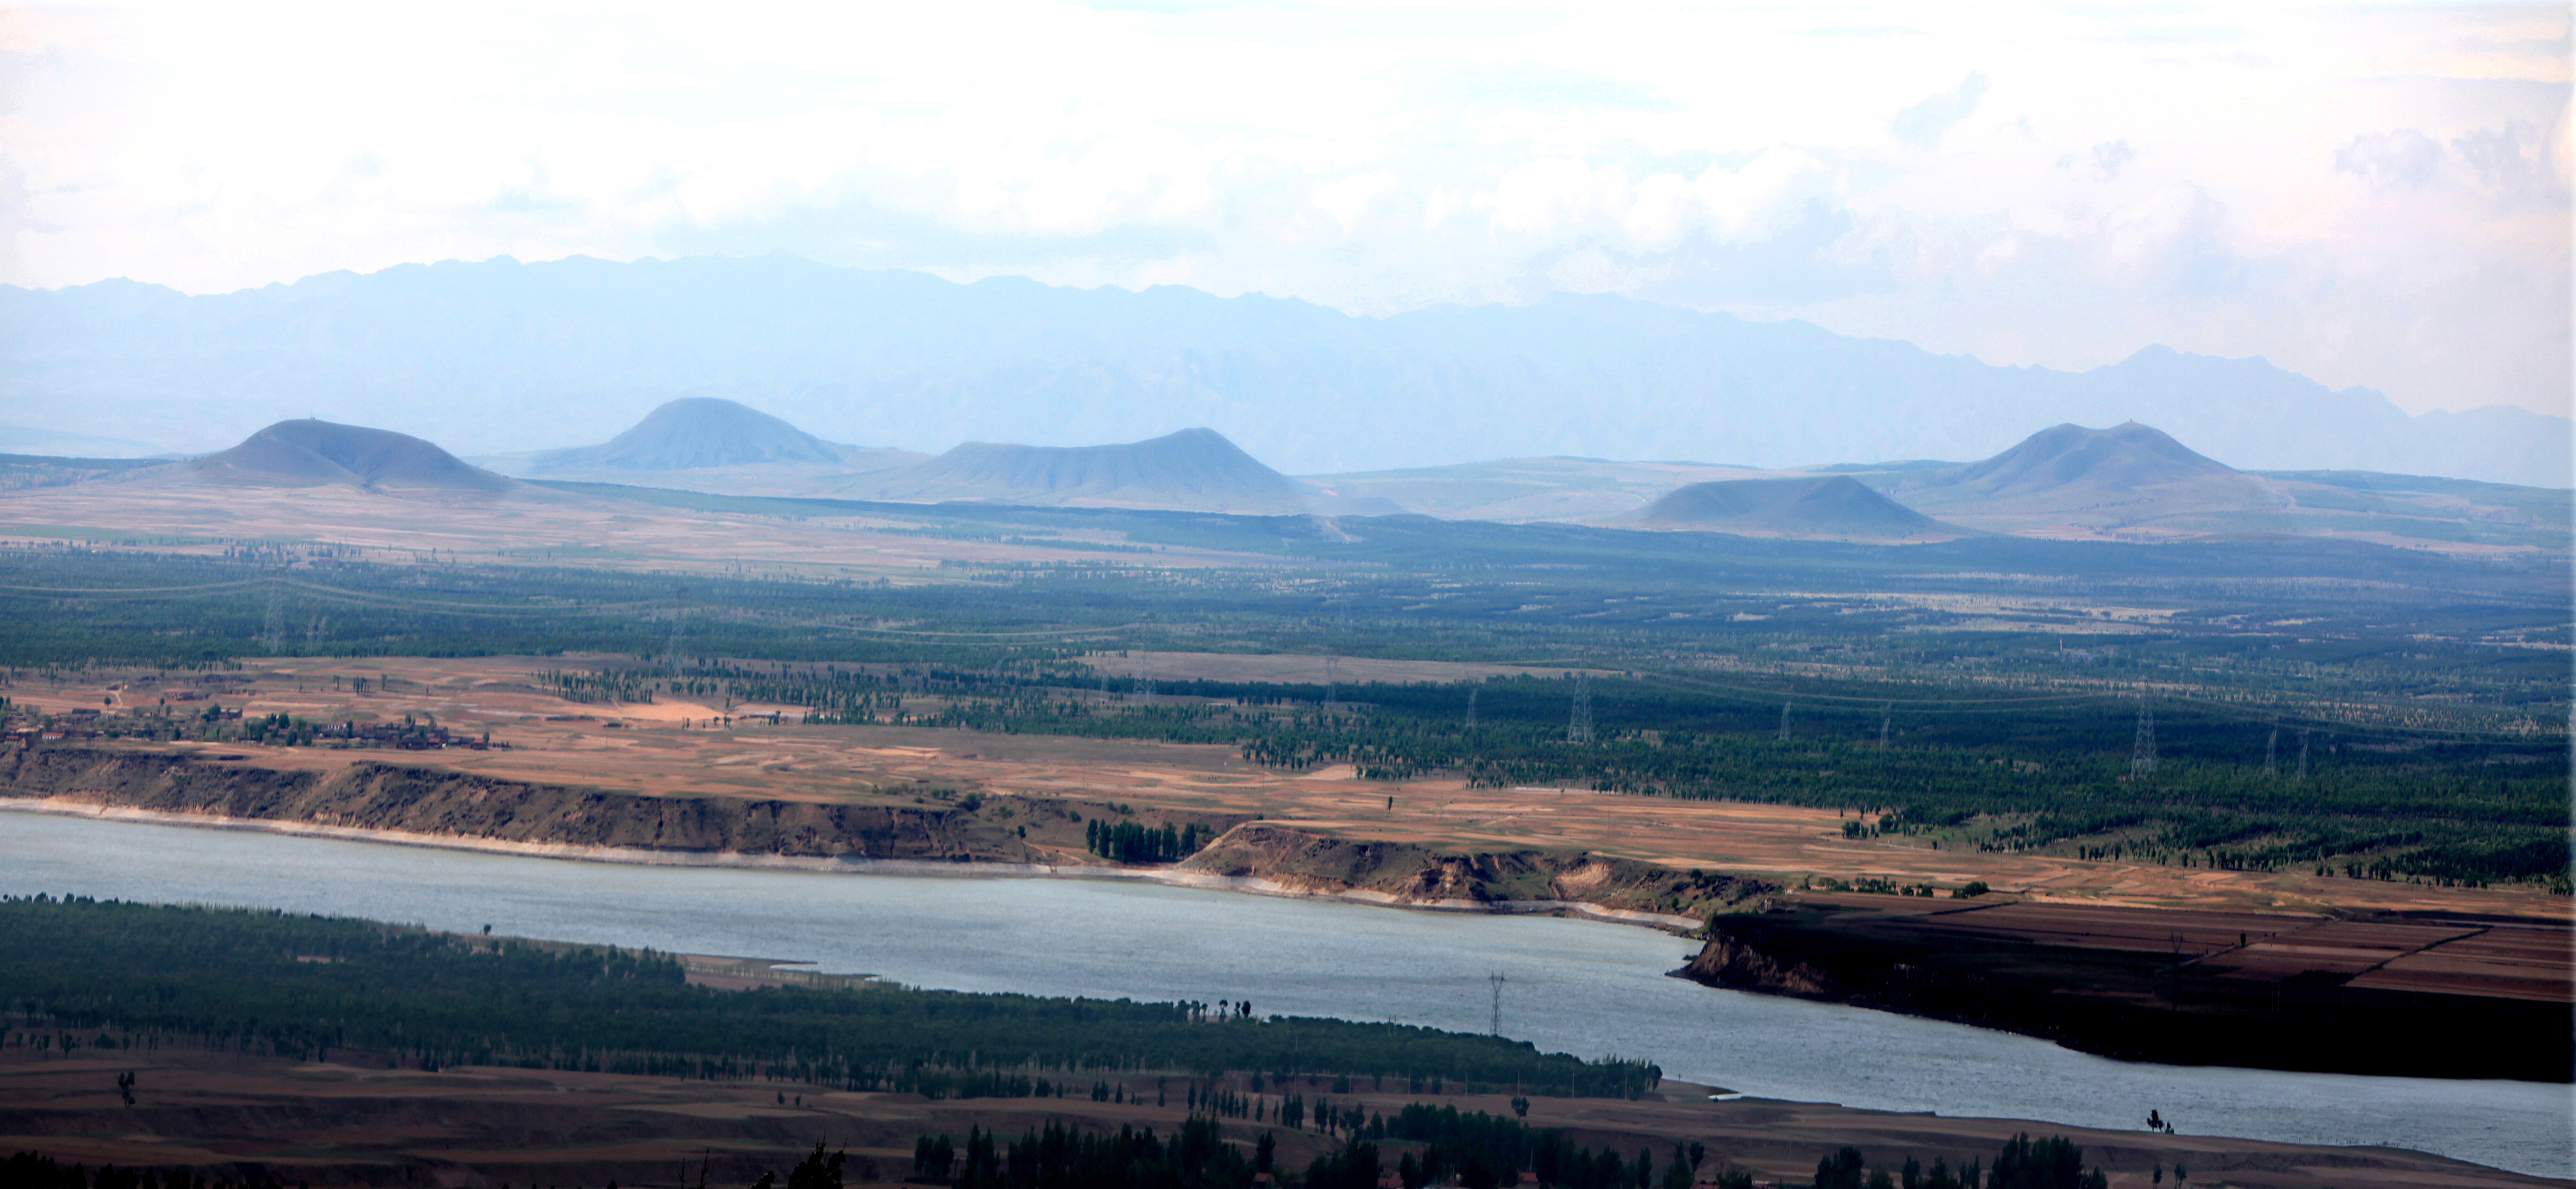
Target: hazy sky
[(2372, 195)]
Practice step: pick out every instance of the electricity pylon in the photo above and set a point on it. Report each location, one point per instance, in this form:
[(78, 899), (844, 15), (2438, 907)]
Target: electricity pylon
[(2142, 758)]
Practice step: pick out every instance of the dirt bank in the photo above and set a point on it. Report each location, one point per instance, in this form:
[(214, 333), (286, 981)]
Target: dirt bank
[(434, 803), (1300, 861)]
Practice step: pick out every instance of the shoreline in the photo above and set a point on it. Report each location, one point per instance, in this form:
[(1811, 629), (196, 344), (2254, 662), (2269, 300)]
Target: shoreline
[(737, 860)]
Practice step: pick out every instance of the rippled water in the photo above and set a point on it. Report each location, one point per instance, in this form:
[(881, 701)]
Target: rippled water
[(1579, 986)]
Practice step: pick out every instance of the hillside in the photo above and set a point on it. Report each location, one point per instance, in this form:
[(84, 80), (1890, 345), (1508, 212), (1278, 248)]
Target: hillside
[(307, 453), (2130, 481), (502, 356), (1833, 507), (696, 431), (1194, 470), (2122, 458), (709, 444)]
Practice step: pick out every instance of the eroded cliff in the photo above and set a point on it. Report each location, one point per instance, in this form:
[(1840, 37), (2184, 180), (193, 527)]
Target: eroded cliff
[(1303, 860), (455, 805)]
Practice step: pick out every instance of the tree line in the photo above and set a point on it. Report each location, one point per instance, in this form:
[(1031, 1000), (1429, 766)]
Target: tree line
[(1439, 1145), (106, 974)]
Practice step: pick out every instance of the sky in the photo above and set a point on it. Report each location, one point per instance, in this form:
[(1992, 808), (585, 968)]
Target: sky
[(2370, 195)]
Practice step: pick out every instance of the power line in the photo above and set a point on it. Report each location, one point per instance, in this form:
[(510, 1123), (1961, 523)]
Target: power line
[(2142, 758)]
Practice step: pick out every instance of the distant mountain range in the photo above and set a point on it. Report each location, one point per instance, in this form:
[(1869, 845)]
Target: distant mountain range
[(502, 357), (2129, 482)]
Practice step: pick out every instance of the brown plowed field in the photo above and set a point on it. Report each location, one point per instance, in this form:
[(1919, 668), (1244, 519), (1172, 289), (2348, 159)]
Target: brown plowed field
[(354, 1121), (2525, 959)]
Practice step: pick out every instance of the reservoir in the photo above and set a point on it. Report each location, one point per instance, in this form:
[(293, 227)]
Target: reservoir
[(1583, 987)]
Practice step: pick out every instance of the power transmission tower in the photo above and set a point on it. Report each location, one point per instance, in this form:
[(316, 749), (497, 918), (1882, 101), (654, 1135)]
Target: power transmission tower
[(2272, 754), (1784, 722), (1328, 685), (1471, 708), (2142, 758), (1886, 722), (1578, 728), (273, 631), (2303, 755), (1497, 980)]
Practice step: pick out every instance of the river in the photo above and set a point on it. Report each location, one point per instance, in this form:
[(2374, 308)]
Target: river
[(1578, 986)]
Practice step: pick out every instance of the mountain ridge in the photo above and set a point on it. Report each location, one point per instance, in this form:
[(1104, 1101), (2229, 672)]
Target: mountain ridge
[(498, 356)]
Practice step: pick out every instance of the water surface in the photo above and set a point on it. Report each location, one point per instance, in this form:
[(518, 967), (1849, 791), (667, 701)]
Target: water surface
[(1578, 986)]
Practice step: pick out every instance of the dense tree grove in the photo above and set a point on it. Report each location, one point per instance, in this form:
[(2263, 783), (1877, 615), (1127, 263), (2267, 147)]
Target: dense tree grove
[(1063, 1157), (77, 973), (1134, 842), (35, 1170), (1425, 1145)]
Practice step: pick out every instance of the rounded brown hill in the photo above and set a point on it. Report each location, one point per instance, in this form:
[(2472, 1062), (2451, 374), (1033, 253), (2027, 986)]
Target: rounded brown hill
[(308, 452), (1195, 469), (2121, 458), (694, 432), (1826, 507)]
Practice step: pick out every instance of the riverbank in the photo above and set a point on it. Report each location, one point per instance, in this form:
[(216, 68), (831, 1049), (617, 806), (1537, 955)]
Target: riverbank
[(965, 868), (939, 833)]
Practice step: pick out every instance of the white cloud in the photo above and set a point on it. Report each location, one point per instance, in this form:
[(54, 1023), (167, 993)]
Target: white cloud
[(1923, 123), (2375, 196)]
